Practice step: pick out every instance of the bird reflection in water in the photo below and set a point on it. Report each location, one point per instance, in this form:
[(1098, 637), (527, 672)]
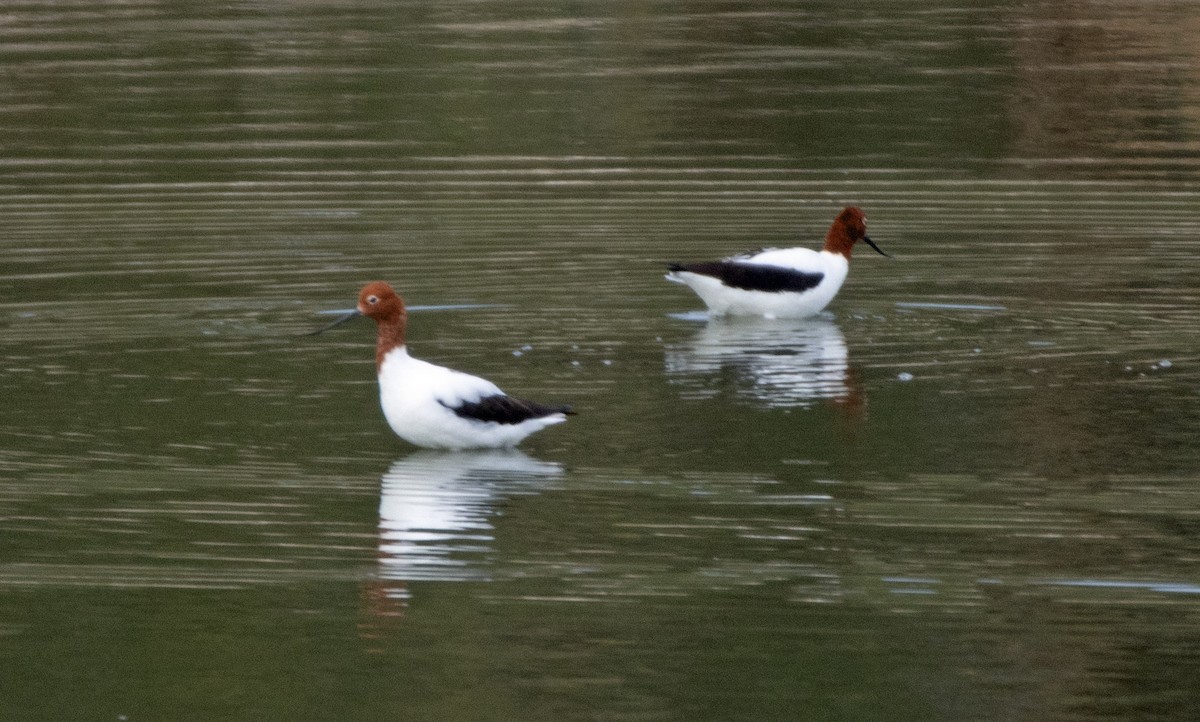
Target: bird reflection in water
[(771, 363), (435, 520)]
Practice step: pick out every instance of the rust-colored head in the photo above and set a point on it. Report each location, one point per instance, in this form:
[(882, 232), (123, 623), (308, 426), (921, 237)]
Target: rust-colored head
[(380, 301), (377, 300), (848, 228)]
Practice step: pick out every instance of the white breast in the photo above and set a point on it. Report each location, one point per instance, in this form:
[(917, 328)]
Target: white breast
[(722, 299), (418, 398)]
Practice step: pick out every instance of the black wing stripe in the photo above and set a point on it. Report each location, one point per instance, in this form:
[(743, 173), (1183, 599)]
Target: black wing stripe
[(754, 276), (501, 409)]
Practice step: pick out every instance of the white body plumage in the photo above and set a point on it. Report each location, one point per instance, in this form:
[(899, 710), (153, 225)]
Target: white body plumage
[(723, 299), (418, 400), (778, 282)]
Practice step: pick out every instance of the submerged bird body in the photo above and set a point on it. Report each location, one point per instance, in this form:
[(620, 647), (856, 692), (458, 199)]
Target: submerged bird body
[(437, 407), (778, 282)]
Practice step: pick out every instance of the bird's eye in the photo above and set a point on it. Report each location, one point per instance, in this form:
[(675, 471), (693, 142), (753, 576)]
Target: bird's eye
[(372, 300)]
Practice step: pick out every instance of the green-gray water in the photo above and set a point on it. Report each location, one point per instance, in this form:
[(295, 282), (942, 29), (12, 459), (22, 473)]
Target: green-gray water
[(971, 491)]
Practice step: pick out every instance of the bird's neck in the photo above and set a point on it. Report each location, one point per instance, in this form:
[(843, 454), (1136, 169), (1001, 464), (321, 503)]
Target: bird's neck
[(839, 240), (391, 337)]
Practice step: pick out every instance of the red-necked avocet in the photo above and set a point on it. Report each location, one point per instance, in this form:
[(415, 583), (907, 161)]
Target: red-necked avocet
[(778, 282), (436, 407)]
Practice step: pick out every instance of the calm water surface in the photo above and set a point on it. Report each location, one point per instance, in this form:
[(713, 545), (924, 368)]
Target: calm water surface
[(970, 490)]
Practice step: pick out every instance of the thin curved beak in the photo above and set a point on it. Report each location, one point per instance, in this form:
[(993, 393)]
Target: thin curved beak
[(872, 245), (350, 316)]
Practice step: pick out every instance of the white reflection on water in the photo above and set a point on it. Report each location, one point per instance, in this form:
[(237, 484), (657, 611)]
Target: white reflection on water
[(435, 510), (777, 363), (1162, 587)]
